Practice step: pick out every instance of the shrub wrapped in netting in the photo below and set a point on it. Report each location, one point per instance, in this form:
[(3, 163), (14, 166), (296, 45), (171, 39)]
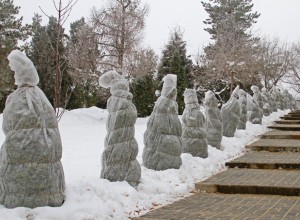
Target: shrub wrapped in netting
[(266, 102), (254, 112), (279, 99), (213, 123), (230, 113), (31, 173), (162, 139), (257, 96), (286, 99), (119, 161), (243, 113), (193, 126), (272, 101)]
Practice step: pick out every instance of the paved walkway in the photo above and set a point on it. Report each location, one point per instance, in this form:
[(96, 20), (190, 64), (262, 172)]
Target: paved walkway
[(262, 184), (229, 206)]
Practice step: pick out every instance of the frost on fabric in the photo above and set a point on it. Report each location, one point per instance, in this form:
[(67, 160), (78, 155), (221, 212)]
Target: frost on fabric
[(119, 161), (266, 102), (230, 112), (243, 113), (254, 112), (213, 124), (162, 139), (31, 174), (193, 126)]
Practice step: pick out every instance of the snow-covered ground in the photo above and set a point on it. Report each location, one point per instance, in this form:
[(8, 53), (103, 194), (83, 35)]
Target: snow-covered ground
[(89, 198)]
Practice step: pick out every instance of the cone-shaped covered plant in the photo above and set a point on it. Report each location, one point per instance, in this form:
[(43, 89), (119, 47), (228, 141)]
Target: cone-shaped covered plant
[(243, 113), (257, 96), (286, 99), (272, 101), (119, 161), (231, 114), (292, 101), (213, 123), (31, 174), (162, 139), (279, 99), (254, 112), (266, 102), (193, 126)]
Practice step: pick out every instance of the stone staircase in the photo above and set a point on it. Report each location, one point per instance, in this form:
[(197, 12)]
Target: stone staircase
[(272, 167), (262, 184)]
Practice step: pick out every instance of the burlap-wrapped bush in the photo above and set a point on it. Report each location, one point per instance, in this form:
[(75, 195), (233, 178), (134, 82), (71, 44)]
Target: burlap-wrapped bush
[(193, 126), (230, 112), (213, 123), (162, 139), (31, 173), (119, 161)]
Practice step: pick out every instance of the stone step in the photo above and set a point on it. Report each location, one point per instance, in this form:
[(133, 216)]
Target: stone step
[(253, 181), (286, 127), (266, 160), (290, 118), (228, 206), (294, 113), (275, 145), (277, 134), (287, 122)]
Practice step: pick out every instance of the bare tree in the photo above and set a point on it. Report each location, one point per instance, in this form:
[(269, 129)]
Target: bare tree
[(63, 12), (83, 55), (276, 59), (142, 62), (119, 26), (293, 75)]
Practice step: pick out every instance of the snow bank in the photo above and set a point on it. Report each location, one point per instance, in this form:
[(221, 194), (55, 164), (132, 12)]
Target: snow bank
[(89, 197)]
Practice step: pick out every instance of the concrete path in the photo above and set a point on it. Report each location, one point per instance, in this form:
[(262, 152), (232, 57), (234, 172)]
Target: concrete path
[(262, 184)]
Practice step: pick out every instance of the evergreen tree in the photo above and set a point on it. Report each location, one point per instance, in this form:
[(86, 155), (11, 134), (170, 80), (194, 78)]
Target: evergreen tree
[(175, 61), (11, 30), (143, 91), (143, 85), (231, 56), (220, 11)]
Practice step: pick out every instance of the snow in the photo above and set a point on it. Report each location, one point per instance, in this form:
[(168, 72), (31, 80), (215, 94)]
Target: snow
[(90, 198)]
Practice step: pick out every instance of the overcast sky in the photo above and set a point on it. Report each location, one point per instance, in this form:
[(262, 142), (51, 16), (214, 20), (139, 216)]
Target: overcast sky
[(279, 18)]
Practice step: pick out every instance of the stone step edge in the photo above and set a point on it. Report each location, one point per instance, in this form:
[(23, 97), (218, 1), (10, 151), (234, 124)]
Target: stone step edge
[(284, 128), (273, 149), (287, 122), (281, 136), (290, 118), (253, 165), (246, 189)]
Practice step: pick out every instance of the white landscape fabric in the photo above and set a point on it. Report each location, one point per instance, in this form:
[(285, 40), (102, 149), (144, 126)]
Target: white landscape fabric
[(89, 197)]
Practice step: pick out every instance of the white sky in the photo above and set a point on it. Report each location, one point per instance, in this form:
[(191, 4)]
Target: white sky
[(278, 18)]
